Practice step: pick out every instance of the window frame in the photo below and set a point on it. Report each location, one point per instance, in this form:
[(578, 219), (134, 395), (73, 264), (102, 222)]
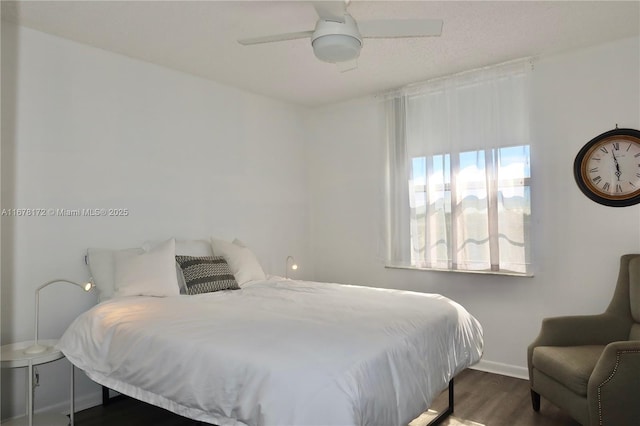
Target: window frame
[(492, 187)]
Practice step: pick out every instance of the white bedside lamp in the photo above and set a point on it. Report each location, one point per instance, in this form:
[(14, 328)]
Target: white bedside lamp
[(294, 266), (37, 348)]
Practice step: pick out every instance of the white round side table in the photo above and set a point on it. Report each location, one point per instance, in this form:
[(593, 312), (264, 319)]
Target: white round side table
[(13, 356)]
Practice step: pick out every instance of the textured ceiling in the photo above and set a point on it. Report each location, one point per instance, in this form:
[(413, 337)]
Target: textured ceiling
[(199, 37)]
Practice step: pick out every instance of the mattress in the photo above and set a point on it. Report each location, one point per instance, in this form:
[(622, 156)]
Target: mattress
[(279, 352)]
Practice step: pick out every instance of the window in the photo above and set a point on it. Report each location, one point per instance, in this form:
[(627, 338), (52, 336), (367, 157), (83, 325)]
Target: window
[(459, 192)]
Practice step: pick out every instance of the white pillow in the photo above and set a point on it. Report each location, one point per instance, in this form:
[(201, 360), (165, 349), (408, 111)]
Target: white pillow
[(185, 248), (238, 242), (243, 263), (152, 273), (102, 267)]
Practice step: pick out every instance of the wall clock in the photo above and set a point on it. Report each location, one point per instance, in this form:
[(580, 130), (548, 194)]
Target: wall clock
[(607, 168)]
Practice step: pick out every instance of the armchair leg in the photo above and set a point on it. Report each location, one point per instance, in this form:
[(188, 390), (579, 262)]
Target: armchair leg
[(535, 400)]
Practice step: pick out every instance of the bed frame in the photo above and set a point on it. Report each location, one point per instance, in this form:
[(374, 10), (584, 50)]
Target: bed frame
[(447, 412), (106, 400)]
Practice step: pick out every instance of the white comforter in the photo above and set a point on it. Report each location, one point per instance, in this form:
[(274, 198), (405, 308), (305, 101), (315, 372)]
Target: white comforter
[(279, 352)]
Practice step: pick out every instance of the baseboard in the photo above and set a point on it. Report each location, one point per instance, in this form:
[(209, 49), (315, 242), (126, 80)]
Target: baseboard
[(504, 369), (81, 403)]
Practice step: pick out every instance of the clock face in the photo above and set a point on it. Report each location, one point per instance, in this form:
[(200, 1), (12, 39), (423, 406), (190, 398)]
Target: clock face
[(607, 169)]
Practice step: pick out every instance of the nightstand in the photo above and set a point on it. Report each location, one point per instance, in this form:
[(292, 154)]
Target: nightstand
[(13, 356)]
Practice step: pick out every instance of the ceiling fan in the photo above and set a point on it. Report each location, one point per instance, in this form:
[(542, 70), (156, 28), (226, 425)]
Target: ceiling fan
[(337, 37)]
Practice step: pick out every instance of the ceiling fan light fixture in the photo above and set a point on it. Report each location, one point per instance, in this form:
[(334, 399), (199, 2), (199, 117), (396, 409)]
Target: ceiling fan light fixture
[(336, 48), (336, 41)]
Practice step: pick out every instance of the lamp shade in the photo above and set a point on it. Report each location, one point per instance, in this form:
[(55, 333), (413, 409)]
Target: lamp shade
[(37, 348)]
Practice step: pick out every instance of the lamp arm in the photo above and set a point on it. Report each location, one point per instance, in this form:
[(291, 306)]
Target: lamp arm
[(286, 266), (59, 280), (35, 345), (35, 340)]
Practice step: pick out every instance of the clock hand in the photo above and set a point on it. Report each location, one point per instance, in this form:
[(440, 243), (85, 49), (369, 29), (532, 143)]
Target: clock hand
[(618, 172)]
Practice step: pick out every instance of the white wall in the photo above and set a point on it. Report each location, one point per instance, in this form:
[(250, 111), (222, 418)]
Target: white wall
[(85, 128), (577, 243)]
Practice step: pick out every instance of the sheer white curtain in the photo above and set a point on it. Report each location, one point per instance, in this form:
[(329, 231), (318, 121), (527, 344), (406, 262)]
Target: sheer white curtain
[(459, 175)]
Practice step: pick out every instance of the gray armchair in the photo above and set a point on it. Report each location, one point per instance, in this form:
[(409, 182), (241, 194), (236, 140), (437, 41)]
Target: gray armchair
[(590, 365)]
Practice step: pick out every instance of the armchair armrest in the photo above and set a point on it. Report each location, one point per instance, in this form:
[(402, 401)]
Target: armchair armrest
[(614, 385), (579, 330), (582, 330)]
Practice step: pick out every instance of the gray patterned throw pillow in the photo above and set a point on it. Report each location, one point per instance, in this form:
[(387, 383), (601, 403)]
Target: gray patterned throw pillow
[(206, 274)]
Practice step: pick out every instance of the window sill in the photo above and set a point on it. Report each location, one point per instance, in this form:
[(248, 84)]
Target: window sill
[(505, 273)]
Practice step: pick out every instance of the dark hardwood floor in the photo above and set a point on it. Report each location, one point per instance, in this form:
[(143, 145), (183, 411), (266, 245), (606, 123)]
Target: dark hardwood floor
[(495, 400), (485, 398)]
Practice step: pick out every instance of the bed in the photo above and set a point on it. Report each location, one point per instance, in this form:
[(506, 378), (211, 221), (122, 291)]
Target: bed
[(279, 352)]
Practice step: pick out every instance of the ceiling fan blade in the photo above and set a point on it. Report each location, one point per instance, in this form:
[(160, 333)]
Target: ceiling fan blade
[(331, 10), (392, 28), (347, 65), (275, 37)]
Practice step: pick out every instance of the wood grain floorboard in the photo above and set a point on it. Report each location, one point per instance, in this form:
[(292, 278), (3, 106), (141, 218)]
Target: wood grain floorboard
[(495, 400), (485, 398)]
